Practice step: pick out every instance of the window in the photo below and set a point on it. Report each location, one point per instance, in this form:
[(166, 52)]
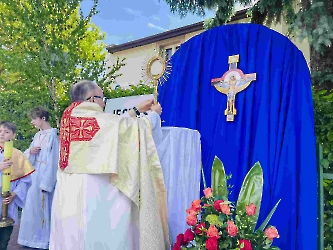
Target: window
[(169, 51)]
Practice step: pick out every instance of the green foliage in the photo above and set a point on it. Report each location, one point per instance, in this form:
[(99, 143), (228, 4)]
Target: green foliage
[(221, 217), (323, 103), (140, 89), (219, 180), (328, 214), (46, 46), (251, 192), (306, 19)]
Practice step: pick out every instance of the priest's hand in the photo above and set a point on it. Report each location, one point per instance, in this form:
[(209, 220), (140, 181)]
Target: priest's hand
[(157, 108), (9, 199), (145, 106), (34, 150), (6, 163)]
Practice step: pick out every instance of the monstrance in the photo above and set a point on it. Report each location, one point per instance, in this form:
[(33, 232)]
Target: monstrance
[(156, 70)]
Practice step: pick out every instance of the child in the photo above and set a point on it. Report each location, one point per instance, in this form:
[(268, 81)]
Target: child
[(43, 154), (20, 180)]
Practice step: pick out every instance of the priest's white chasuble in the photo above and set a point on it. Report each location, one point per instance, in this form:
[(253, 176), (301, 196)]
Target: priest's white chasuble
[(110, 192)]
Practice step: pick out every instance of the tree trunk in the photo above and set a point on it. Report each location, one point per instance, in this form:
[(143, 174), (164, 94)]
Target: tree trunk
[(321, 64), (52, 88)]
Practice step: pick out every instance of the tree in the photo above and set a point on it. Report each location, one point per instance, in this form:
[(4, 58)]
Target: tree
[(306, 19), (47, 45)]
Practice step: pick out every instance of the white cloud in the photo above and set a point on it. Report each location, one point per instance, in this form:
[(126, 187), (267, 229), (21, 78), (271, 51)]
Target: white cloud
[(151, 25), (133, 12)]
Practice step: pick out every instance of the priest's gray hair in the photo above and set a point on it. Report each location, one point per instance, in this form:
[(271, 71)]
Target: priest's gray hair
[(80, 90)]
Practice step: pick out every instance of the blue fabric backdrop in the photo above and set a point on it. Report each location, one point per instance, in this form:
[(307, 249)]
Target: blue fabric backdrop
[(274, 124)]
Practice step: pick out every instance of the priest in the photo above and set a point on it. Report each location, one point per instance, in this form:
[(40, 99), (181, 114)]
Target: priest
[(110, 192)]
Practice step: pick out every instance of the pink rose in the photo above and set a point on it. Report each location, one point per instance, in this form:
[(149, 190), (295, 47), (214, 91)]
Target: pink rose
[(200, 228), (232, 228), (225, 209), (217, 205), (251, 209), (188, 236), (208, 192), (191, 220), (272, 233), (213, 232)]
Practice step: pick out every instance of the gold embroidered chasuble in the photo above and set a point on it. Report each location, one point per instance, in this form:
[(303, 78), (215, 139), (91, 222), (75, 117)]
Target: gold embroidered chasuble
[(94, 142), (21, 166)]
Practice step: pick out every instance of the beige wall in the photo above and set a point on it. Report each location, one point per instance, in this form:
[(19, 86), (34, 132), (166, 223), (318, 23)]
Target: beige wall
[(136, 57)]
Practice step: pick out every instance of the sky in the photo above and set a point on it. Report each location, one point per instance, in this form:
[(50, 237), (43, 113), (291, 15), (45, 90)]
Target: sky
[(128, 20)]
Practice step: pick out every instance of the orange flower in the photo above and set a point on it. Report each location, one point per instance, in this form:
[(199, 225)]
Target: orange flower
[(191, 220), (225, 209), (213, 232), (192, 212), (196, 205)]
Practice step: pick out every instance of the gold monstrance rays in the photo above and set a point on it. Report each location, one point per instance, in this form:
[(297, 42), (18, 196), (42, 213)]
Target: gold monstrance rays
[(156, 70)]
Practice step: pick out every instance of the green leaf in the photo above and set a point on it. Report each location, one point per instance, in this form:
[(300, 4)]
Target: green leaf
[(219, 182), (268, 218), (330, 135), (203, 177), (325, 163), (251, 192)]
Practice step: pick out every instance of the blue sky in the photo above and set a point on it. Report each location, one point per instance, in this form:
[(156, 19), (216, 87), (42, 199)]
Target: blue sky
[(128, 20)]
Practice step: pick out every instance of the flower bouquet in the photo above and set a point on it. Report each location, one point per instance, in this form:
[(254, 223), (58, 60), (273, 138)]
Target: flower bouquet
[(217, 223)]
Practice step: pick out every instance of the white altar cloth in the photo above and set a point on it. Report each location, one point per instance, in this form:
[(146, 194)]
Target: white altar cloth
[(179, 151)]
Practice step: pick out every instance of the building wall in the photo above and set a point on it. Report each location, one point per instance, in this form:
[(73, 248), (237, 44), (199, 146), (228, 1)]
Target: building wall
[(137, 57)]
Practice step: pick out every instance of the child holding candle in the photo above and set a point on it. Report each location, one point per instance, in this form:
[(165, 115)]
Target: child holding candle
[(43, 154), (20, 180)]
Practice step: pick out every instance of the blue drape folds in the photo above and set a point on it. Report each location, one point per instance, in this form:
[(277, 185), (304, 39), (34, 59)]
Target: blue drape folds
[(274, 123)]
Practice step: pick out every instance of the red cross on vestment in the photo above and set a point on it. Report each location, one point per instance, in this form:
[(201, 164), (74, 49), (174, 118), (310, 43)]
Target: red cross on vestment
[(74, 129)]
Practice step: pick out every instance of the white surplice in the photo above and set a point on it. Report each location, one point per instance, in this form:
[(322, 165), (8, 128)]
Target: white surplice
[(35, 222), (97, 215)]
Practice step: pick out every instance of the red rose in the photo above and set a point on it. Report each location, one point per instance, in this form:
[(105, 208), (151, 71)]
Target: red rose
[(211, 243), (176, 247), (188, 236), (180, 239), (245, 245), (200, 228), (217, 205)]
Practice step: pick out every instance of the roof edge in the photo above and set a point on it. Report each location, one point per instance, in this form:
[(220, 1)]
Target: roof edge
[(168, 34)]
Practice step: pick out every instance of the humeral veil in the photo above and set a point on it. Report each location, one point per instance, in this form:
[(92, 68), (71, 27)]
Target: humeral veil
[(100, 145)]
